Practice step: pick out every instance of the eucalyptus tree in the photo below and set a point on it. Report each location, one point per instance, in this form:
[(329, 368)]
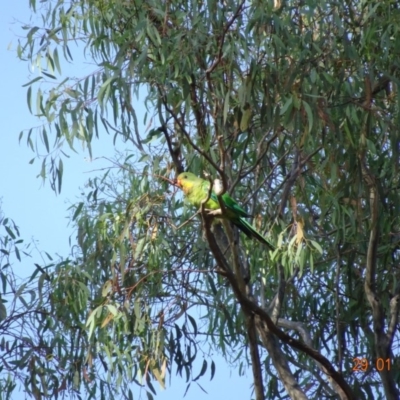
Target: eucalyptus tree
[(294, 106)]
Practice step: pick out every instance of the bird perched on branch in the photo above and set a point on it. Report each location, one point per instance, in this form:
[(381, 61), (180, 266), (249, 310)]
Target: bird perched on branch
[(197, 190)]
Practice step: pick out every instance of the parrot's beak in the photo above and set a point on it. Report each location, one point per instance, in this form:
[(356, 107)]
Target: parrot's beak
[(177, 182)]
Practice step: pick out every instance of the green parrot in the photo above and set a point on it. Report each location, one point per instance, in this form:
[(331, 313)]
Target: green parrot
[(196, 190)]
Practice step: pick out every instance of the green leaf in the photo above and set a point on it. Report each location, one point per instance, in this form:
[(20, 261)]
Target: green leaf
[(226, 107), (10, 232), (202, 372), (194, 325), (77, 211), (29, 99), (38, 78), (45, 140), (48, 75), (317, 246), (212, 370), (3, 311), (288, 103), (104, 91), (309, 115), (17, 253), (113, 310), (57, 61), (60, 171)]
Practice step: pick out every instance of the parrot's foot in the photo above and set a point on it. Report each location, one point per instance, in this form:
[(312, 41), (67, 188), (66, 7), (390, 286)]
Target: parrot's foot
[(214, 213)]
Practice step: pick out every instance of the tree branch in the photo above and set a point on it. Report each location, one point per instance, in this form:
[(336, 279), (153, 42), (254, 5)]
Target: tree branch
[(382, 345), (255, 357), (305, 334), (279, 360), (250, 307), (174, 152), (222, 39)]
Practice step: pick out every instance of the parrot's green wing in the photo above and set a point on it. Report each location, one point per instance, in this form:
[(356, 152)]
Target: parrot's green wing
[(230, 204)]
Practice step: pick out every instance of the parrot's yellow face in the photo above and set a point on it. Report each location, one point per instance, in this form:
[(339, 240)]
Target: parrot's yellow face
[(178, 181), (181, 178), (184, 182)]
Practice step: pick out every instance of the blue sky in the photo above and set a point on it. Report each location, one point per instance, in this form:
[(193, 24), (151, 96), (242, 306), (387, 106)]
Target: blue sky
[(41, 214), (25, 198)]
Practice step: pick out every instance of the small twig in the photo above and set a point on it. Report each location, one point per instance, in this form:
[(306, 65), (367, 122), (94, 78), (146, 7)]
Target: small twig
[(278, 300), (184, 223), (189, 139), (337, 301), (266, 178), (394, 318), (276, 297), (174, 152), (222, 40)]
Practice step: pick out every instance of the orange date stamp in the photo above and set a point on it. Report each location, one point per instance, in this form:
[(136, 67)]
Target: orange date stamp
[(362, 364)]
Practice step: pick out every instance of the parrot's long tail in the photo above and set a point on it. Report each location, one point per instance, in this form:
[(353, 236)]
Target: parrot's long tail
[(251, 232)]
